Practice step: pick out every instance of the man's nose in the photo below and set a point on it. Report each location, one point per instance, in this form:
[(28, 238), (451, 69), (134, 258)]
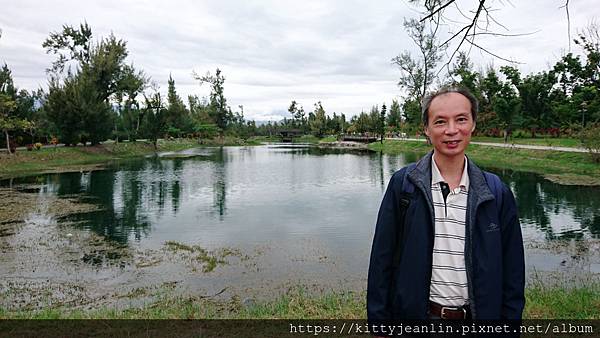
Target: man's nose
[(451, 129)]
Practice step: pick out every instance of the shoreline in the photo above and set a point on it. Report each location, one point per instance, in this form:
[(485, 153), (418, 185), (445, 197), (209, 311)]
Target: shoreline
[(300, 302), (90, 158), (567, 168)]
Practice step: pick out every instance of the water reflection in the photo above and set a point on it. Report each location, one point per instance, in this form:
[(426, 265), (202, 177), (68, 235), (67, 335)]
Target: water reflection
[(555, 211), (233, 194), (219, 187)]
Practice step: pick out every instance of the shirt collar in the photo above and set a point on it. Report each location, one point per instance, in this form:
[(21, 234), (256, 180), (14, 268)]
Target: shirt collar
[(436, 176)]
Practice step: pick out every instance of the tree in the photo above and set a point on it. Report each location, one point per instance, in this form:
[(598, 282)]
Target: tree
[(374, 120), (394, 118), (100, 78), (361, 123), (70, 44), (199, 109), (218, 103), (343, 123), (467, 78), (77, 110), (588, 98), (176, 114), (490, 86), (154, 124), (10, 121), (534, 96), (381, 124), (418, 73), (132, 84), (297, 113), (318, 123), (475, 21), (506, 105), (411, 109), (61, 111), (7, 122)]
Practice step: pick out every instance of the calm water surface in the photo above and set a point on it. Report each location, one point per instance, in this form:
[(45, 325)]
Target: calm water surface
[(301, 202)]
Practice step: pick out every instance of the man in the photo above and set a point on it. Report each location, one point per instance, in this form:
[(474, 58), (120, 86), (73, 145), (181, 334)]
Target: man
[(448, 241)]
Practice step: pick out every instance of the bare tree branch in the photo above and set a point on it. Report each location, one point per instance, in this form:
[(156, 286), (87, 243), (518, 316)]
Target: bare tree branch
[(468, 29), (504, 35), (455, 35), (494, 55), (490, 17), (566, 7), (440, 9)]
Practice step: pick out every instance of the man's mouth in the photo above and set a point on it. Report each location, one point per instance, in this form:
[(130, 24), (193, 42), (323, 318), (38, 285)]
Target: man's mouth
[(452, 142)]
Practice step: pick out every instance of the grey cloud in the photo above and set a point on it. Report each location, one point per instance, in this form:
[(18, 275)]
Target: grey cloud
[(270, 51)]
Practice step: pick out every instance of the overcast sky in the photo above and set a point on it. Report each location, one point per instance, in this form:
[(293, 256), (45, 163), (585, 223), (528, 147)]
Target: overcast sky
[(272, 52)]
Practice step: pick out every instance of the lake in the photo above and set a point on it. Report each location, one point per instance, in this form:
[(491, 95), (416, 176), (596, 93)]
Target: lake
[(270, 217)]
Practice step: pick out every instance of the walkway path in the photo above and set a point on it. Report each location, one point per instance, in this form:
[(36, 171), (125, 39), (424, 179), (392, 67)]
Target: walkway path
[(509, 145)]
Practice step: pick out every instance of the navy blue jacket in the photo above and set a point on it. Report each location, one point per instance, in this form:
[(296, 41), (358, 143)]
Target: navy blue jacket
[(493, 251)]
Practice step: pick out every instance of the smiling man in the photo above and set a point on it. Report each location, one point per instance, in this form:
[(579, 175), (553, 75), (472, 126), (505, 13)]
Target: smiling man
[(448, 241)]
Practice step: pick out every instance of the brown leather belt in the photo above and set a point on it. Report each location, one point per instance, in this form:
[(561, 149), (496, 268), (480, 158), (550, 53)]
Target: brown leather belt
[(449, 312)]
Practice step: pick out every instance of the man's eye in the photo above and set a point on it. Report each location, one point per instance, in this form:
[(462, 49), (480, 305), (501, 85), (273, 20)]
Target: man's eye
[(439, 122)]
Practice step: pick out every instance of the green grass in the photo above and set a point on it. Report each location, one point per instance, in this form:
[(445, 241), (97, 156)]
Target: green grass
[(72, 158), (328, 139), (229, 141), (298, 303), (577, 303), (559, 166), (540, 141)]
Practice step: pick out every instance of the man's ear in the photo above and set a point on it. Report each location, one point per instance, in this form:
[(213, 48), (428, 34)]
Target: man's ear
[(473, 129), (425, 131)]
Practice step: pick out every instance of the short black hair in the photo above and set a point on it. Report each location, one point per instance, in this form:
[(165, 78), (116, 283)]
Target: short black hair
[(446, 90)]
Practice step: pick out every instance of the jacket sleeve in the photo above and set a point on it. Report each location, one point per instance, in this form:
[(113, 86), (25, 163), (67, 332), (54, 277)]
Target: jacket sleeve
[(382, 252), (513, 260)]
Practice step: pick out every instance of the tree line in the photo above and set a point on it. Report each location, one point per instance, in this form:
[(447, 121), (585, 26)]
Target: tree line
[(560, 101), (95, 95)]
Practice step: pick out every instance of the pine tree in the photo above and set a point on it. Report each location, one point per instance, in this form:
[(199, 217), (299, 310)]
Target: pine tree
[(176, 114)]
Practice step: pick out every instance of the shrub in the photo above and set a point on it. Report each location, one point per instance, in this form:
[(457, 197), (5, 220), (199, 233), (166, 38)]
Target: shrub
[(520, 133), (591, 141)]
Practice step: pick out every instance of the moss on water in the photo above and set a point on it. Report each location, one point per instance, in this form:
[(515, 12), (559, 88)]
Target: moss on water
[(209, 259)]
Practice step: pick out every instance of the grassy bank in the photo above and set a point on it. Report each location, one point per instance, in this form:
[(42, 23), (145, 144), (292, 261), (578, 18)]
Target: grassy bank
[(61, 159), (582, 303), (540, 141), (558, 166)]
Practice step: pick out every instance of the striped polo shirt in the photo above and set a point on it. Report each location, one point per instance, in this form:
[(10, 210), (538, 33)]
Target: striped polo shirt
[(448, 274)]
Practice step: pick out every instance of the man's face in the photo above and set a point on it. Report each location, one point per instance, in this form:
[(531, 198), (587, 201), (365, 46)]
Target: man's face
[(450, 124)]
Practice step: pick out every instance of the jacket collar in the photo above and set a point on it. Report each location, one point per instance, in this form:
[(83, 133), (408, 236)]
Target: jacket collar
[(421, 177), (478, 184)]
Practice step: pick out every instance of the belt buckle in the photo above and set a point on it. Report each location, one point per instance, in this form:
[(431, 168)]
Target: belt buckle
[(444, 308)]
